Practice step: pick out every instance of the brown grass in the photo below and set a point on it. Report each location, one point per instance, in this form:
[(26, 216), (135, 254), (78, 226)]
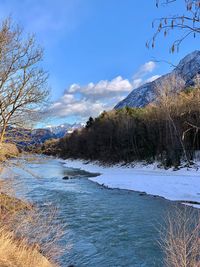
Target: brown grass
[(8, 150), (16, 253), (10, 205), (28, 237)]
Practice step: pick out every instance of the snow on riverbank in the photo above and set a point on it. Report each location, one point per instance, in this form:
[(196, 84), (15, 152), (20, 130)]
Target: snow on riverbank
[(182, 185)]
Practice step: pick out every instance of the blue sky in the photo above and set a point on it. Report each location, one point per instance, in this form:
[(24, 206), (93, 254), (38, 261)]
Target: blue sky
[(95, 49)]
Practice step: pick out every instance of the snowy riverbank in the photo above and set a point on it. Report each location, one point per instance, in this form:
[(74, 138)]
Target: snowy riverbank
[(182, 185)]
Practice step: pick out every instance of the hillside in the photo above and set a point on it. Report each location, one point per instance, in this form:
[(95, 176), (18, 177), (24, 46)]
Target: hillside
[(186, 74)]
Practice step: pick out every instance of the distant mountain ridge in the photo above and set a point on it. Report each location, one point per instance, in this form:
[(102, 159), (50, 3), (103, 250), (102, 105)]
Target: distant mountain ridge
[(26, 137), (61, 130), (186, 74)]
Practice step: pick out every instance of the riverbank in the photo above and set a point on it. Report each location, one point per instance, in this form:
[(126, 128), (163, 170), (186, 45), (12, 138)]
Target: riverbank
[(15, 246), (182, 185)]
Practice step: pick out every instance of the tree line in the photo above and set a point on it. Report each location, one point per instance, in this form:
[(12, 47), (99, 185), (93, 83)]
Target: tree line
[(167, 130)]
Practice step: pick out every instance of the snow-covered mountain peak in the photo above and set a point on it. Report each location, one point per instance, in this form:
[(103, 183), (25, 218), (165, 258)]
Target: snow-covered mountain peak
[(186, 74)]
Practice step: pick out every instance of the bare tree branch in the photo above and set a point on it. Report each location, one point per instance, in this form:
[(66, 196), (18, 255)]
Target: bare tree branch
[(188, 24)]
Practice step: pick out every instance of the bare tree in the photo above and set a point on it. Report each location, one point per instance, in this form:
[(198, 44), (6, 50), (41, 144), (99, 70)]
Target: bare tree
[(180, 238), (170, 104), (23, 83), (188, 23)]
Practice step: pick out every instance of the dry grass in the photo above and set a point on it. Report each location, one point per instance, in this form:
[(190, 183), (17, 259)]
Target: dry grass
[(28, 236), (10, 205), (181, 238), (16, 253), (8, 150)]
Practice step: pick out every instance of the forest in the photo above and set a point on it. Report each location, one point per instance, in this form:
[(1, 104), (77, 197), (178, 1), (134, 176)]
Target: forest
[(167, 131)]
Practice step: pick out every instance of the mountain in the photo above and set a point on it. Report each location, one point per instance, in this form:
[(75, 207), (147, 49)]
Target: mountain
[(63, 129), (53, 132), (186, 74), (38, 136), (27, 137)]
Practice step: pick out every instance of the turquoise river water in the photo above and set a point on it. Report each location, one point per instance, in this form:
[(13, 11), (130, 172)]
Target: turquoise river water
[(102, 227)]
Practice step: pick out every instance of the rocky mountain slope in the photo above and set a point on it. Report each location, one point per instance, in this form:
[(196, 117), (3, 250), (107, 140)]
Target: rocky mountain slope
[(186, 74)]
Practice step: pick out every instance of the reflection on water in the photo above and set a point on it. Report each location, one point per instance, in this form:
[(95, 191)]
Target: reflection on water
[(103, 228)]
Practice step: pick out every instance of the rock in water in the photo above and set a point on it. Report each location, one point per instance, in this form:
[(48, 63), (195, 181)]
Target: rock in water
[(66, 178)]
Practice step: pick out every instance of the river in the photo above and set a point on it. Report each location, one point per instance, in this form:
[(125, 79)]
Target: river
[(103, 227)]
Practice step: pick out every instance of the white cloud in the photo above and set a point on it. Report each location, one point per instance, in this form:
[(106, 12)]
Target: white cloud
[(136, 83), (144, 70), (73, 88), (152, 78), (68, 98), (148, 67), (92, 98), (103, 88), (80, 109)]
